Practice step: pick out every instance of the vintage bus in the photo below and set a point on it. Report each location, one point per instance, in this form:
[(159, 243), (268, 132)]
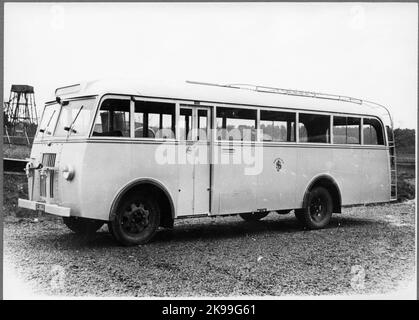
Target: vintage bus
[(138, 156)]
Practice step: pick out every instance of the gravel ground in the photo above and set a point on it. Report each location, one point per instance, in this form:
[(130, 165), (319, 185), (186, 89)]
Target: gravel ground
[(366, 250)]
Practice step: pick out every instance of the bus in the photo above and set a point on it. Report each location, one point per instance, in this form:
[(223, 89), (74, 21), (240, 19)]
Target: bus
[(137, 156)]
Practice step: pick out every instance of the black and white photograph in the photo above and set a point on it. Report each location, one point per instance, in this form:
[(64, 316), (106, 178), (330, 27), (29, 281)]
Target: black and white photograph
[(209, 150)]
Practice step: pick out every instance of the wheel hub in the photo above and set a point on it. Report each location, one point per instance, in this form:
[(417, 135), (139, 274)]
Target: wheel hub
[(135, 218), (317, 209)]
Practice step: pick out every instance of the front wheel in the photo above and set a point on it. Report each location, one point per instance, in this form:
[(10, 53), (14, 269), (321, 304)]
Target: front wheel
[(136, 220), (82, 225), (318, 210), (253, 216)]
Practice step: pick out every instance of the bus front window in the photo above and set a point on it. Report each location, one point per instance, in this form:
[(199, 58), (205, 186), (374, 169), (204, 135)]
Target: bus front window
[(49, 119), (75, 118)]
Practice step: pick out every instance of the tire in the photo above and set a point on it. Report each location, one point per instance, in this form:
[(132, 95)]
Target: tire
[(110, 229), (319, 209), (136, 220), (82, 226), (253, 216)]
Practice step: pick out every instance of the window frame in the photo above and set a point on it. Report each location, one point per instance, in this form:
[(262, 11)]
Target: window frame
[(360, 129), (279, 111), (99, 105), (37, 134), (320, 113), (233, 106), (178, 137), (68, 100), (213, 120), (168, 101), (383, 132)]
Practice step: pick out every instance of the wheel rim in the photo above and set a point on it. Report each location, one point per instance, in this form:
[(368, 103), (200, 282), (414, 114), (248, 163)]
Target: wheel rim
[(318, 208), (135, 219)]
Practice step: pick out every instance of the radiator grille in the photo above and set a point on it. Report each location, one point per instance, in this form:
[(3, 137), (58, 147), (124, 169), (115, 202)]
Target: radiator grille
[(43, 186), (51, 184), (48, 160)]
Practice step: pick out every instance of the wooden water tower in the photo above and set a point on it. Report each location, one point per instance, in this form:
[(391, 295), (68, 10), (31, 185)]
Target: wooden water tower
[(20, 116)]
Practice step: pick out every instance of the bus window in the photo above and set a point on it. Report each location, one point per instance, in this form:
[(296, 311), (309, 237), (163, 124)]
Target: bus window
[(373, 133), (154, 120), (202, 124), (314, 128), (185, 123), (49, 120), (236, 124), (346, 130), (354, 130), (277, 126), (302, 132), (76, 114), (113, 119)]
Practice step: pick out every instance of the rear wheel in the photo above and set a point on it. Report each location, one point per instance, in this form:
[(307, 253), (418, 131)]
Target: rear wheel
[(253, 216), (318, 211), (82, 225), (136, 221)]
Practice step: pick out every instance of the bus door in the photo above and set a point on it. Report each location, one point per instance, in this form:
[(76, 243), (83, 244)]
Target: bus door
[(194, 160)]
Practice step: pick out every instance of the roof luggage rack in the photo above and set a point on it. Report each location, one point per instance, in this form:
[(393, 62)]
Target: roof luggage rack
[(291, 92)]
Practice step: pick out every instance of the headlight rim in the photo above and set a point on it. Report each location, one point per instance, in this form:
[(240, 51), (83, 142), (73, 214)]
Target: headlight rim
[(67, 172)]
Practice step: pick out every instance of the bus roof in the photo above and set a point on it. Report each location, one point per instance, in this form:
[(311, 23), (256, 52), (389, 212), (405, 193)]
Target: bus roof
[(225, 94)]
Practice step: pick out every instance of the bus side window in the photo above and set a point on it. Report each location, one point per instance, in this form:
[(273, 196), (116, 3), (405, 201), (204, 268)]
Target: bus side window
[(277, 126), (346, 130), (113, 119), (339, 130), (373, 133), (185, 124), (236, 124), (202, 125), (317, 128), (302, 132), (154, 120), (353, 135)]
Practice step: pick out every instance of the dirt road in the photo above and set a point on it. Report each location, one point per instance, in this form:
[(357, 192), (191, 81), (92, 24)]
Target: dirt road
[(366, 250)]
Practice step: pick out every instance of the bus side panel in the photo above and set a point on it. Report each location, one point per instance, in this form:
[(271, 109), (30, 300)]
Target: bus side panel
[(375, 182), (277, 180), (121, 164), (343, 165), (346, 169), (233, 191), (72, 193)]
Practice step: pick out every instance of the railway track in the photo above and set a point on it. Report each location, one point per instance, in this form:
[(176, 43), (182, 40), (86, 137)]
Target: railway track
[(14, 165)]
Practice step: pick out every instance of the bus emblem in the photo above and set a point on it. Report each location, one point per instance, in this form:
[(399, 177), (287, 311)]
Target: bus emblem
[(278, 162)]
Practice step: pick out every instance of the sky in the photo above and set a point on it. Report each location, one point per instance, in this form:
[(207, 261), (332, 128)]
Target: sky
[(367, 51)]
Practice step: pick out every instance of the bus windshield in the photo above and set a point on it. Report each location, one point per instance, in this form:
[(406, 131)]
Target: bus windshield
[(49, 119), (75, 118)]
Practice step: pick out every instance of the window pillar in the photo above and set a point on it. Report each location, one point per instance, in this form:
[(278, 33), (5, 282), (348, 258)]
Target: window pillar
[(131, 118), (362, 130)]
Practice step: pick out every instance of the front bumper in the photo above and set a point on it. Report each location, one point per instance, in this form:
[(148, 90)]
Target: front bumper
[(44, 207)]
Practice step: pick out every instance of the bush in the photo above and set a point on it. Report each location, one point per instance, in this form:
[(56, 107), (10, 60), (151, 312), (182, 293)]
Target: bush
[(405, 190), (14, 187), (405, 141)]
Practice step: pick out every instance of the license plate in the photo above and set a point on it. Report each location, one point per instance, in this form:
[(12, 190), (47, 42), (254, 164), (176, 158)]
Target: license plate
[(40, 207)]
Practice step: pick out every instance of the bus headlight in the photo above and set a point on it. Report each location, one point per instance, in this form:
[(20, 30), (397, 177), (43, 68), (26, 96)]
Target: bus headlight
[(68, 172)]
